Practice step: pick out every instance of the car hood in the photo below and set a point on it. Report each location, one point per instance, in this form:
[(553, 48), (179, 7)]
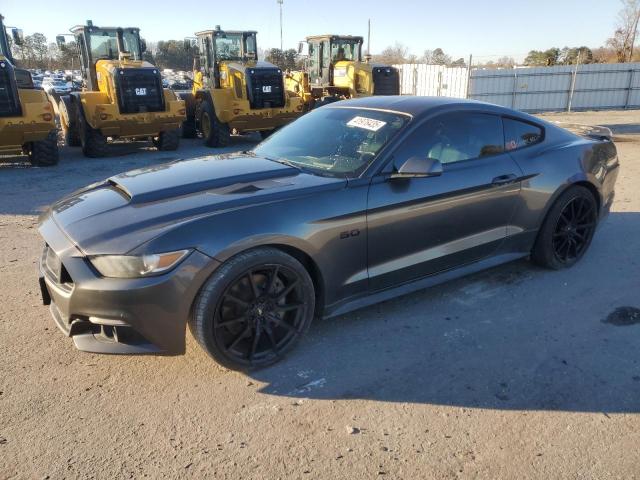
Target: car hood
[(123, 212)]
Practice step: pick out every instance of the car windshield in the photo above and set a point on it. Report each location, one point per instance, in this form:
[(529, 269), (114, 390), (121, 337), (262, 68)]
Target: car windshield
[(334, 141), (104, 44)]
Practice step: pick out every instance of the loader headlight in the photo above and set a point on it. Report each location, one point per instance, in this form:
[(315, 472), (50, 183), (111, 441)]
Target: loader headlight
[(136, 266)]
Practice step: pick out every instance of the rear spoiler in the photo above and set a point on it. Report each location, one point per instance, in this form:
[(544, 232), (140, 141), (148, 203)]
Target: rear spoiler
[(593, 132)]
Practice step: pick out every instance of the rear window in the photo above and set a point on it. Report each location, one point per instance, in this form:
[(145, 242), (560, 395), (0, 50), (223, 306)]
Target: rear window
[(519, 134)]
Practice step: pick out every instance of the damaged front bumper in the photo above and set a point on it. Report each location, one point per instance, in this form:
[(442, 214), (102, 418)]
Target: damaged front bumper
[(118, 316)]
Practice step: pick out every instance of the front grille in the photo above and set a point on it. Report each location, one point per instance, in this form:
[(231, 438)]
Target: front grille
[(265, 87), (9, 100), (386, 81), (139, 90)]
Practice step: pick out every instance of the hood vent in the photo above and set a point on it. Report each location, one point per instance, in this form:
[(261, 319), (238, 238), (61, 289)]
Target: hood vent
[(249, 187)]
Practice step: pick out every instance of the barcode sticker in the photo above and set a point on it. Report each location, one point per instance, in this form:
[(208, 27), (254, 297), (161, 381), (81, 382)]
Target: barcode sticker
[(366, 123)]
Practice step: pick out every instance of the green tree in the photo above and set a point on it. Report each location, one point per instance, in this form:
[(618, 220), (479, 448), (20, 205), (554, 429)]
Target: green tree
[(172, 54), (543, 58), (286, 60)]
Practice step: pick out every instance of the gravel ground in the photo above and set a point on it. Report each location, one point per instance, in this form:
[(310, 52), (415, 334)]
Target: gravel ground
[(516, 372)]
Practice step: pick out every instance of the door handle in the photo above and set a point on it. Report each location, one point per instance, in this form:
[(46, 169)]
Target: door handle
[(504, 179)]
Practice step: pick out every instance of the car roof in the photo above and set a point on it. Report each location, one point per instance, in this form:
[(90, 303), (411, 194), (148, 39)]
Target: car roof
[(420, 106)]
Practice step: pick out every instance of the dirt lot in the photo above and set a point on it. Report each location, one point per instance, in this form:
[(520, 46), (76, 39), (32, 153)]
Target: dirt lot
[(512, 373)]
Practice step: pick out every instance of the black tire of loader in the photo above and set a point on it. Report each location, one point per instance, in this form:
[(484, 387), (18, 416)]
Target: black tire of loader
[(70, 130), (167, 141), (44, 153), (94, 144), (214, 132)]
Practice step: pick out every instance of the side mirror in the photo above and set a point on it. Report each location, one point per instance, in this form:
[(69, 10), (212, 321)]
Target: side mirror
[(143, 45), (60, 40), (417, 166), (303, 48), (18, 36)]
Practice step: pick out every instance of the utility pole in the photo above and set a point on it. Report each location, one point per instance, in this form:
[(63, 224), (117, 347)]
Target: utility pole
[(280, 2)]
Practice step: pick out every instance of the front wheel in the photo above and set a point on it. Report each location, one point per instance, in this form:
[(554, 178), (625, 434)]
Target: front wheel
[(253, 309), (214, 132), (568, 229), (94, 144), (167, 141)]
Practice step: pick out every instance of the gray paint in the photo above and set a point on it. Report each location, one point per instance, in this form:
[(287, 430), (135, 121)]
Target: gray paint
[(412, 232)]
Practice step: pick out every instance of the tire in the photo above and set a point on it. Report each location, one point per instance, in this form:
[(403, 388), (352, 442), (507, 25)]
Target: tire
[(167, 141), (214, 132), (325, 101), (44, 153), (267, 133), (567, 230), (68, 123), (189, 129), (243, 297), (94, 144)]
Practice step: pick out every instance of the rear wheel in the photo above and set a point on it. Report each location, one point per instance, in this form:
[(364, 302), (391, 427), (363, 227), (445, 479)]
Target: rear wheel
[(568, 229), (167, 141), (189, 129), (214, 132), (325, 101), (94, 144), (68, 124), (254, 309), (44, 153), (267, 133)]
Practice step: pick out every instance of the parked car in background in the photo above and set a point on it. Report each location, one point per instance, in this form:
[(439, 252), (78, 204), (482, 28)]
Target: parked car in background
[(56, 85)]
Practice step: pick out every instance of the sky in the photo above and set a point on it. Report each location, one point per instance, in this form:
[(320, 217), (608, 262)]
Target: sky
[(488, 29)]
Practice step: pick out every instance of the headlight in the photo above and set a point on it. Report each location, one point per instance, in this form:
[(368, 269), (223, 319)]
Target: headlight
[(135, 266)]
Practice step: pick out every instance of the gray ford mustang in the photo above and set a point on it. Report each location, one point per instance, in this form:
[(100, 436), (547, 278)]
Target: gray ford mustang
[(354, 203)]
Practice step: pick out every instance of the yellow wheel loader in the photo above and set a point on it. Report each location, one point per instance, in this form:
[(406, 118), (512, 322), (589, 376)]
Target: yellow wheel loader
[(335, 71), (27, 123), (233, 92), (122, 95)]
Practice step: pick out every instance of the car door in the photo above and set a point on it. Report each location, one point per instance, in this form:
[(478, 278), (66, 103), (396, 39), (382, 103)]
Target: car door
[(421, 226)]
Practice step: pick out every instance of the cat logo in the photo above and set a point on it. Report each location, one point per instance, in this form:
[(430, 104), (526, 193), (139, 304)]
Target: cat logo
[(266, 89), (141, 91)]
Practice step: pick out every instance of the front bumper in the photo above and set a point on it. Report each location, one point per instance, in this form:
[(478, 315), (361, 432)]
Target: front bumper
[(119, 316)]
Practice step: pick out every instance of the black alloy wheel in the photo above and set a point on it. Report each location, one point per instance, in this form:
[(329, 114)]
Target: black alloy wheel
[(254, 309), (567, 231), (574, 229), (260, 313)]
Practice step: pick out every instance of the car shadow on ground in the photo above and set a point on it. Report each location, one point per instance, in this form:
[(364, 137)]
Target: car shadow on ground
[(497, 339)]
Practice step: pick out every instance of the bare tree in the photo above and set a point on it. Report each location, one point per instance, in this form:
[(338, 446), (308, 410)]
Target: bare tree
[(626, 33), (393, 55)]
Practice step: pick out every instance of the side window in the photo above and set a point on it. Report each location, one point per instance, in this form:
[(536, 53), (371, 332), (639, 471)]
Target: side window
[(462, 136), (519, 134), (326, 55)]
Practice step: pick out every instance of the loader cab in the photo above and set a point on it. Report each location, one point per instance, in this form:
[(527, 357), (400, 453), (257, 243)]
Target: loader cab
[(109, 43), (327, 50), (217, 46), (5, 48)]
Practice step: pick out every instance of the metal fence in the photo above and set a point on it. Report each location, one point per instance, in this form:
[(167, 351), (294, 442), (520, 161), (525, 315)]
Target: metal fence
[(559, 88), (433, 80)]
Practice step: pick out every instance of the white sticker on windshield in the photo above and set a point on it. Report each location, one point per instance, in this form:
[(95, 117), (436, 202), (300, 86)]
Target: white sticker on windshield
[(366, 123)]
